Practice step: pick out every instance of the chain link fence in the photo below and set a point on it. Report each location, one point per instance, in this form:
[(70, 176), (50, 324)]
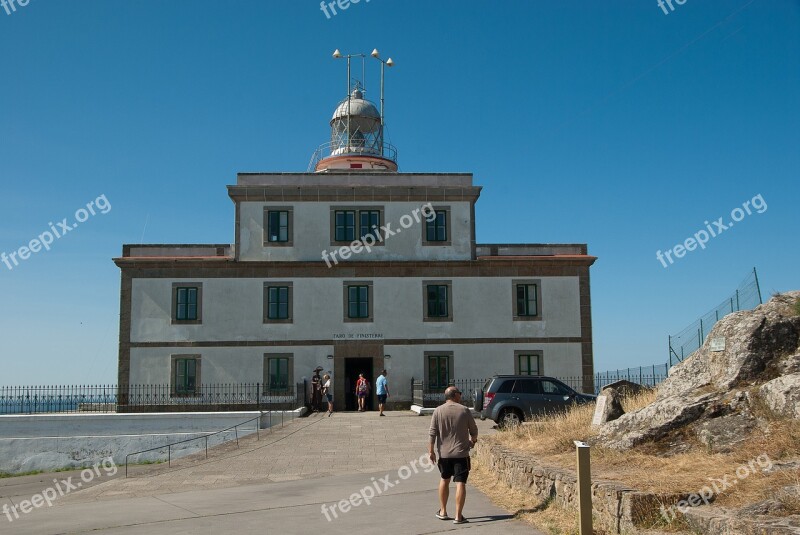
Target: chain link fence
[(690, 339)]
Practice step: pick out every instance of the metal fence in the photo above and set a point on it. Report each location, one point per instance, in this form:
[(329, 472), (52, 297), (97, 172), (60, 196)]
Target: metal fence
[(690, 339), (425, 396), (651, 376), (148, 398)]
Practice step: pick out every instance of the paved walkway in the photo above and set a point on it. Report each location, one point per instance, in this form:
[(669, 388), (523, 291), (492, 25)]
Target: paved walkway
[(276, 483)]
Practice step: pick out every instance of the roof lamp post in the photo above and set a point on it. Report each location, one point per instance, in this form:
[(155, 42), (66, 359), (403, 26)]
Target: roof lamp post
[(337, 55), (387, 63)]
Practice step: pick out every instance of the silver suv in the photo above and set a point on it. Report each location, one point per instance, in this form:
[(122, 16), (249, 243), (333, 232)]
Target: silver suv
[(512, 399)]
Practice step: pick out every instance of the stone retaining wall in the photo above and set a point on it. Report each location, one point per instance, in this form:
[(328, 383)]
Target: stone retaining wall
[(618, 508), (726, 522)]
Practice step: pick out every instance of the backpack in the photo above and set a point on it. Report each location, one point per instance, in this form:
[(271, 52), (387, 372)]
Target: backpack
[(363, 387)]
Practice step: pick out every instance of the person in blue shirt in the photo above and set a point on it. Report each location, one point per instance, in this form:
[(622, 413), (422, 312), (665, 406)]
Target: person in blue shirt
[(382, 390)]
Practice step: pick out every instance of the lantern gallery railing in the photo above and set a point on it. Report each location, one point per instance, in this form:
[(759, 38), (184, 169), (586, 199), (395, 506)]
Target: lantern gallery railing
[(383, 150)]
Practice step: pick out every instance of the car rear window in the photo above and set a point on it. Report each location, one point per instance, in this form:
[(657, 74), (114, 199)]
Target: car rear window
[(505, 387), (528, 386)]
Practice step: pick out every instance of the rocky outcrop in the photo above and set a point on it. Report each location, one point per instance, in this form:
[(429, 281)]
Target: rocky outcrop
[(708, 393), (782, 395), (653, 422)]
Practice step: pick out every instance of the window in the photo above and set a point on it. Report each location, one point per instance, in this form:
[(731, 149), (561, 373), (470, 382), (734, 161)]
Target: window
[(345, 223), (187, 303), (277, 302), (527, 303), (185, 375), (277, 373), (437, 300), (278, 226), (356, 223), (506, 386), (526, 300), (437, 227), (438, 371), (529, 363), (358, 301), (555, 389), (527, 386), (370, 223)]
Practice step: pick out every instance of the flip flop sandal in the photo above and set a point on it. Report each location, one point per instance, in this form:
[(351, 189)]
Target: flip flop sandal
[(462, 521), (442, 517)]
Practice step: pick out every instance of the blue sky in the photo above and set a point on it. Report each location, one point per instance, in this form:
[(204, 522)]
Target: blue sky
[(607, 123)]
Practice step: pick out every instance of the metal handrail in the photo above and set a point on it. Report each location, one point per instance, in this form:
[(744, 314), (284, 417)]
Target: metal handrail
[(169, 446), (383, 150)]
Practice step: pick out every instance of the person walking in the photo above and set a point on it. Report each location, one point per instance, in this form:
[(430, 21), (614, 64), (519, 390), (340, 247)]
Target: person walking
[(454, 431), (382, 390), (362, 391), (316, 389), (327, 391)]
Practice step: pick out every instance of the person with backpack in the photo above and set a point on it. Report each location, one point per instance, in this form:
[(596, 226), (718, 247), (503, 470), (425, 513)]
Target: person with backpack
[(362, 391)]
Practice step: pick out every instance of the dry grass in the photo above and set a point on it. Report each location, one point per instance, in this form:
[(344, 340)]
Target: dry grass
[(653, 468), (557, 433)]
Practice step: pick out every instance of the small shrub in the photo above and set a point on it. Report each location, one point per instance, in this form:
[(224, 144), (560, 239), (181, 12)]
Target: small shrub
[(797, 307)]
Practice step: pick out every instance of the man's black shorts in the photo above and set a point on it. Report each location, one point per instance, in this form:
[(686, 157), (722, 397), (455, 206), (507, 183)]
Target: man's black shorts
[(382, 398), (458, 469)]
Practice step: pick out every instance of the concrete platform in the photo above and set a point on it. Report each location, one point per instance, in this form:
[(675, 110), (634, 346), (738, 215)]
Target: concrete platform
[(278, 484)]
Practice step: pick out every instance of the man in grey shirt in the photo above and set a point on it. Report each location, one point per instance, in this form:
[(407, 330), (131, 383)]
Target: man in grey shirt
[(454, 431)]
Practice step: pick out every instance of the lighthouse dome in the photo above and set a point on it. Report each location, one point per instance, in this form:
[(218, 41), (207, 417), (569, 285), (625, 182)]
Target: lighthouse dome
[(358, 107)]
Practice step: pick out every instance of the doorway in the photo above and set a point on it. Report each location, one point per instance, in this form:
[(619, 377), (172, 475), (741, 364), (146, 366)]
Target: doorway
[(352, 367)]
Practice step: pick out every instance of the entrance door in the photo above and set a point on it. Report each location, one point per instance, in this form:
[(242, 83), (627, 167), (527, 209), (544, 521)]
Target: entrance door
[(349, 359), (352, 367)]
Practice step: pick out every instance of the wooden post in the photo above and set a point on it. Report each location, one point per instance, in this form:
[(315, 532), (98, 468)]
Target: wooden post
[(584, 488)]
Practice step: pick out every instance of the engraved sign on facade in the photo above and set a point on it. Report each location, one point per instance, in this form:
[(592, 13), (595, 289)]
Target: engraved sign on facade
[(718, 344), (598, 411), (358, 336)]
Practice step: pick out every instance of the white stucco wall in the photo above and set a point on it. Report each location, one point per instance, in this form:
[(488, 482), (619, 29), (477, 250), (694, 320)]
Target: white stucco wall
[(233, 310), (225, 365), (470, 361), (312, 233)]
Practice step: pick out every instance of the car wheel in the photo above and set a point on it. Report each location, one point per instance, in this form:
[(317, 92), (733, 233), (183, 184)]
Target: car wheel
[(510, 418)]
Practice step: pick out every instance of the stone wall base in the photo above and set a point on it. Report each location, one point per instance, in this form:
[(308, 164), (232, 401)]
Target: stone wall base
[(616, 507)]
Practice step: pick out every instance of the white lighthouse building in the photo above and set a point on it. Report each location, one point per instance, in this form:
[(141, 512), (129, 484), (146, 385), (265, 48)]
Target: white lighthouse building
[(355, 267)]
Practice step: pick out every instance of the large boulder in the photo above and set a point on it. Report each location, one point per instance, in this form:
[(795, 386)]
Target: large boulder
[(654, 421), (626, 389), (782, 395), (707, 393), (609, 406)]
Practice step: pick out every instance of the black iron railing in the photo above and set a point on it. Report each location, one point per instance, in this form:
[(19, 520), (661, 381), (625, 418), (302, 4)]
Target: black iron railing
[(427, 395), (149, 398)]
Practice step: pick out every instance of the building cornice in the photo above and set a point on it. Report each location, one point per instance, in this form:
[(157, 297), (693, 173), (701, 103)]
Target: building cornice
[(221, 267), (285, 194)]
